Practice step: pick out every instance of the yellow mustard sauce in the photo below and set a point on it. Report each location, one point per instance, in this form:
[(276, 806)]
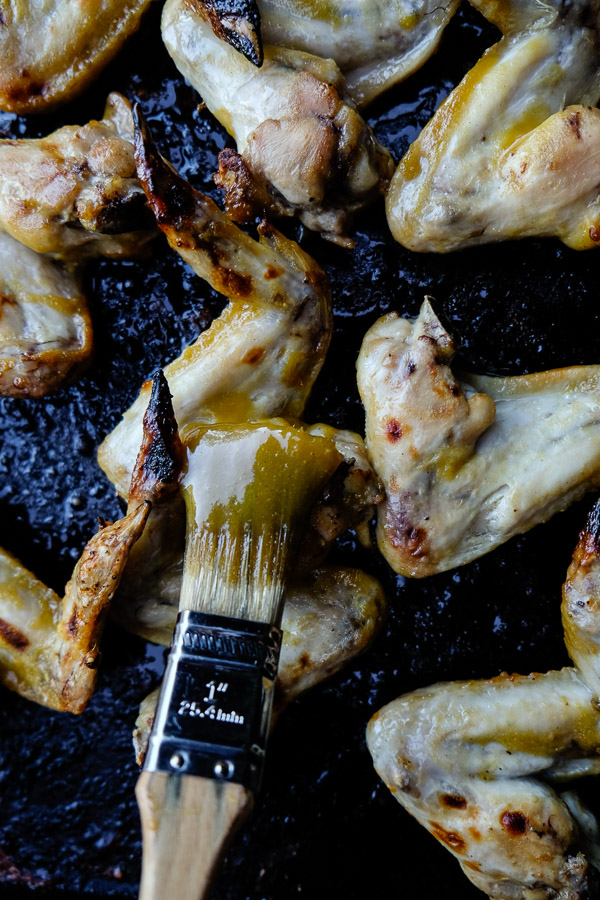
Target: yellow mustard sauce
[(248, 490)]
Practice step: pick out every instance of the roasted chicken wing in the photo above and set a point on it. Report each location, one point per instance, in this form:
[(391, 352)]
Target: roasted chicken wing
[(302, 147), (469, 463), (261, 356), (375, 44), (45, 327), (258, 360), (147, 602), (49, 648), (481, 764), (512, 152), (75, 193), (50, 50)]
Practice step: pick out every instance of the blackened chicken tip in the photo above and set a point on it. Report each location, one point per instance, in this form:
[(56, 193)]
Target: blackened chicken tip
[(235, 21), (160, 459), (171, 198)]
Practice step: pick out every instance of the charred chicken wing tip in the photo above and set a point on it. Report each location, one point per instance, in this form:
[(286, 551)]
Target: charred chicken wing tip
[(159, 463), (171, 198), (234, 21)]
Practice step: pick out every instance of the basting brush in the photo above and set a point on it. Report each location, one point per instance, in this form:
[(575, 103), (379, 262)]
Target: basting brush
[(248, 491)]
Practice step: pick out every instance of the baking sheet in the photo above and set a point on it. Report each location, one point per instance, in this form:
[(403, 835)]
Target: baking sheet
[(325, 825)]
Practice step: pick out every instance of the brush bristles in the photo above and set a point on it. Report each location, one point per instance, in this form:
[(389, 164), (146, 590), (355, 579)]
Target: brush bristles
[(235, 573), (248, 490)]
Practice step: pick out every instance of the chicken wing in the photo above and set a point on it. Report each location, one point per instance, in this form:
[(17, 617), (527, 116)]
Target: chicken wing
[(52, 49), (49, 649), (512, 152), (468, 464), (75, 193), (45, 327), (302, 147), (147, 601), (259, 359), (375, 44), (261, 356), (48, 646), (329, 618), (467, 759)]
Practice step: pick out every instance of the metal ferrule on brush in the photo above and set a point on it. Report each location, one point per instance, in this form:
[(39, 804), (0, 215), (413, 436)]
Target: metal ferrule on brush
[(213, 713)]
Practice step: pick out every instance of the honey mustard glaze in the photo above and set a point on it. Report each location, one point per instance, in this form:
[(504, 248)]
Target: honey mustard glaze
[(248, 490)]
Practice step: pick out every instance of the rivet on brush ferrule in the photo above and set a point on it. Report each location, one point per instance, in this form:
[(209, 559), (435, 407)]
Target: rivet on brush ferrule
[(214, 708)]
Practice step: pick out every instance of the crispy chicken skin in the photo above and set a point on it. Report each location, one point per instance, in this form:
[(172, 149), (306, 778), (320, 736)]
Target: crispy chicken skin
[(465, 759), (45, 327), (52, 49), (375, 43), (512, 152), (303, 149), (260, 358), (49, 648), (75, 193), (468, 464), (329, 618)]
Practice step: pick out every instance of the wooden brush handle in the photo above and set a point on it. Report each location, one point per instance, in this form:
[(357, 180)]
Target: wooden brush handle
[(187, 822)]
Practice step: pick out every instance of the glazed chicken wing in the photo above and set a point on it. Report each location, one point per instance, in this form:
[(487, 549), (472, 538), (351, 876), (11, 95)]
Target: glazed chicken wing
[(49, 648), (259, 359), (513, 151), (302, 147), (75, 193), (52, 49), (45, 327), (468, 464), (147, 602), (467, 759), (375, 43), (261, 356)]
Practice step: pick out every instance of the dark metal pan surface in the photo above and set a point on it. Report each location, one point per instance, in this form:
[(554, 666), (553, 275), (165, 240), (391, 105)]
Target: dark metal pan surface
[(325, 825)]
